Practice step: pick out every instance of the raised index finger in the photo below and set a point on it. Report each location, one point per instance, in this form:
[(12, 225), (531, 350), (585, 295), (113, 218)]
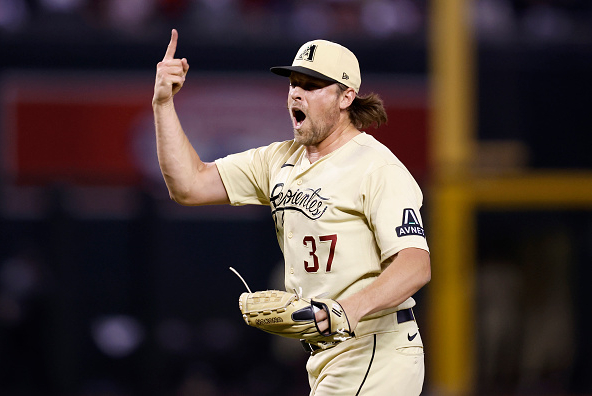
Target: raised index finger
[(170, 52)]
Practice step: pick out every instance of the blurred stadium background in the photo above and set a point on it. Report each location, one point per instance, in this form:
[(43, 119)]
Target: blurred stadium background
[(109, 288)]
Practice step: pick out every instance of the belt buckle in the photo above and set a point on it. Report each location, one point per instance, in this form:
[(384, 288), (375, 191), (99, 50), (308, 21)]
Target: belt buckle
[(308, 347)]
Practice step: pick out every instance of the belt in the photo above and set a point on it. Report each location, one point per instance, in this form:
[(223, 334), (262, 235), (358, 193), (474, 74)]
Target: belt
[(404, 315)]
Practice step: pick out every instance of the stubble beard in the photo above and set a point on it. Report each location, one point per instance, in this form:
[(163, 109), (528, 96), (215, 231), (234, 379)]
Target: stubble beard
[(309, 136), (315, 132)]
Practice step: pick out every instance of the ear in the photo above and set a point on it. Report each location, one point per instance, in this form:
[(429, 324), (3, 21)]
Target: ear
[(347, 97)]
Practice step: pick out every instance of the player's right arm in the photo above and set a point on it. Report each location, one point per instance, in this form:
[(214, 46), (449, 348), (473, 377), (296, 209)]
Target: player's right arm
[(190, 181)]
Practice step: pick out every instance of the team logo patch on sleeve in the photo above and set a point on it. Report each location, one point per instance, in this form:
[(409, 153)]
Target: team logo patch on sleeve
[(411, 225)]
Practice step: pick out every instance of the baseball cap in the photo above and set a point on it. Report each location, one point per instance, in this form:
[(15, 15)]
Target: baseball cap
[(327, 61)]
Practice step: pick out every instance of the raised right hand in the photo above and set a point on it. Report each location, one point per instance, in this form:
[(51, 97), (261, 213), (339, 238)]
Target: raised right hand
[(170, 73)]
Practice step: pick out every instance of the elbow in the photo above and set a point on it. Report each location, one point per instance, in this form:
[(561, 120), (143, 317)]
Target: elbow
[(181, 199), (427, 276), (427, 272), (191, 198), (177, 199)]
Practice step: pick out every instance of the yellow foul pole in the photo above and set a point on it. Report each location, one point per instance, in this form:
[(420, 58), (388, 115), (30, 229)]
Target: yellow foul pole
[(452, 229)]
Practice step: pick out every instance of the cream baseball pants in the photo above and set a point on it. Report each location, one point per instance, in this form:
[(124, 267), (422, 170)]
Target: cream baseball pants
[(385, 358)]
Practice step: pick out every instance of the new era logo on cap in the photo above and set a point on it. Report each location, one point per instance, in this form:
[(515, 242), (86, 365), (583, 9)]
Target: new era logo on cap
[(325, 60)]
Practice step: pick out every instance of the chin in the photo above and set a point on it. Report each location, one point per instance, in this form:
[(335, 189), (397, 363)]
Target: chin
[(299, 137), (308, 137)]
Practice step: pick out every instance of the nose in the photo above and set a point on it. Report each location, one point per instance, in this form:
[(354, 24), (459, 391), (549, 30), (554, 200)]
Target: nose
[(295, 92)]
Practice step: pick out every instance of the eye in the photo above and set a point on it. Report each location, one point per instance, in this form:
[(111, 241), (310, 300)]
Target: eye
[(307, 85)]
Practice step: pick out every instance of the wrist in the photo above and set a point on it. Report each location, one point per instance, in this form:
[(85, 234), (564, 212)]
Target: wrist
[(351, 308), (162, 103)]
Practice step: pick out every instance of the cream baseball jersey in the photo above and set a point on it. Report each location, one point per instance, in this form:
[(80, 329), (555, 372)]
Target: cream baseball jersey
[(337, 220)]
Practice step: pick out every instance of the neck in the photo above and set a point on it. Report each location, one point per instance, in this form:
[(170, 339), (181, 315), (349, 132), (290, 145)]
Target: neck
[(335, 140)]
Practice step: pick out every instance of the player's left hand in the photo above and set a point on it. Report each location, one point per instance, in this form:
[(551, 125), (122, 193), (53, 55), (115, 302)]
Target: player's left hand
[(290, 315)]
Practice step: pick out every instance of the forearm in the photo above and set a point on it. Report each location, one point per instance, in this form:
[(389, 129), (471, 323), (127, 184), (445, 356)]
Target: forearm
[(408, 272), (189, 180), (179, 162)]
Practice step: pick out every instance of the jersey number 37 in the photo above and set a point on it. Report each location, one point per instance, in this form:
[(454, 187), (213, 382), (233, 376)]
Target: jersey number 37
[(311, 242)]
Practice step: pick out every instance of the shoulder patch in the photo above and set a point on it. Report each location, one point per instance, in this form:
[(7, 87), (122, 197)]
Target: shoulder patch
[(410, 224)]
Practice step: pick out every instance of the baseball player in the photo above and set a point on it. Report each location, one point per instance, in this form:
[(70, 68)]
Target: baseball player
[(346, 213)]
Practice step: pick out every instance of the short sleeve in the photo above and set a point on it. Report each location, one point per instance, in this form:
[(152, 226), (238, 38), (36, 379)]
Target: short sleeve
[(245, 177), (392, 201)]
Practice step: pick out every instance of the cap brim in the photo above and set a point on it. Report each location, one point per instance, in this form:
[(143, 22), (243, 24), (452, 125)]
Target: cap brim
[(285, 71)]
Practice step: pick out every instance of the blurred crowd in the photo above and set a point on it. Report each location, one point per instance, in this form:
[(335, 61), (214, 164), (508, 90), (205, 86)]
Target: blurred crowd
[(110, 302), (232, 21)]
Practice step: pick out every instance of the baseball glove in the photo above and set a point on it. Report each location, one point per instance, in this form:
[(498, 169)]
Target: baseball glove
[(289, 315)]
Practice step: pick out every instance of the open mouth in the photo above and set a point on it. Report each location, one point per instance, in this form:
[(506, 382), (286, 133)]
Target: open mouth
[(298, 116)]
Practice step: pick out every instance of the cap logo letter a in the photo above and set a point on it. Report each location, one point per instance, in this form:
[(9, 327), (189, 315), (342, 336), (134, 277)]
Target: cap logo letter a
[(308, 53)]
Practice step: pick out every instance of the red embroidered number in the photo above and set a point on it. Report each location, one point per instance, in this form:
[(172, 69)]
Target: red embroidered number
[(311, 243)]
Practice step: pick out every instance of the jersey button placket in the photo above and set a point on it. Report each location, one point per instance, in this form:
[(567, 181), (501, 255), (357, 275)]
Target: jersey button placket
[(290, 235), (287, 222)]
